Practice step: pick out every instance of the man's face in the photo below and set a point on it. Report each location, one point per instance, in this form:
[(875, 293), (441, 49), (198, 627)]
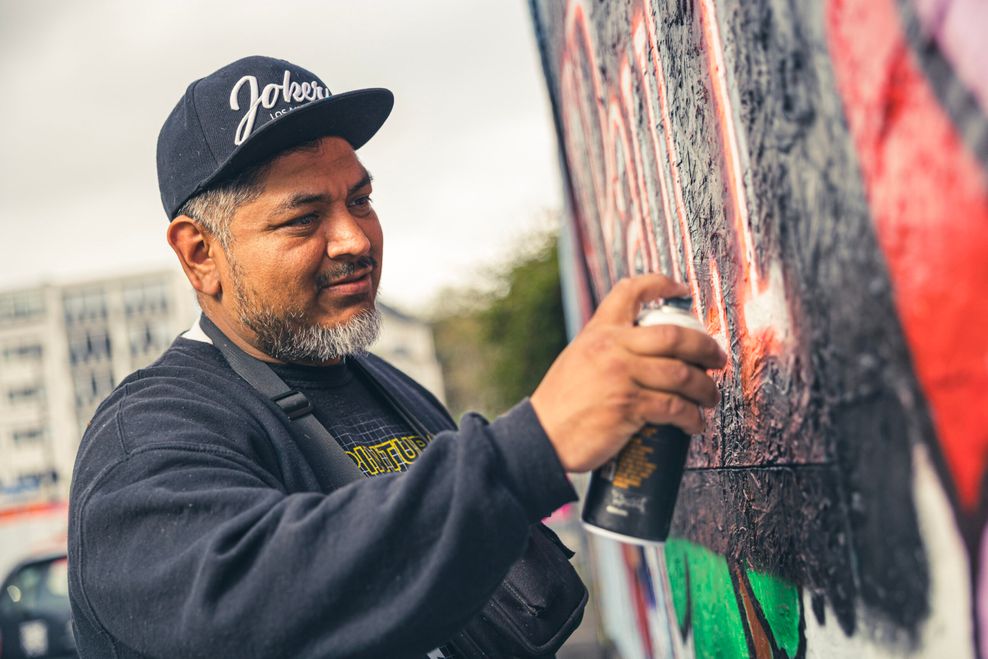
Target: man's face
[(305, 256)]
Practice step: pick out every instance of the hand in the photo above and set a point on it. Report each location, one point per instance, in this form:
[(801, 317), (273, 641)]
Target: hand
[(615, 377)]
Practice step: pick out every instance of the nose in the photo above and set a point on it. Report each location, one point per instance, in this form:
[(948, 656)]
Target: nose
[(346, 237)]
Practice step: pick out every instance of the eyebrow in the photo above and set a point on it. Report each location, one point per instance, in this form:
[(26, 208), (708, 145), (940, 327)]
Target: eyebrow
[(306, 198)]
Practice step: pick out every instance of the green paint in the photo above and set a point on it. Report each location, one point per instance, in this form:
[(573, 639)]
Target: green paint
[(718, 630), (780, 603), (675, 551), (717, 623)]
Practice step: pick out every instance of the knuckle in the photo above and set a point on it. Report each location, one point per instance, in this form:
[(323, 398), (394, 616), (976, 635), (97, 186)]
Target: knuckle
[(597, 340), (626, 402), (612, 364), (680, 374), (619, 290), (603, 347), (670, 336), (671, 406), (676, 406)]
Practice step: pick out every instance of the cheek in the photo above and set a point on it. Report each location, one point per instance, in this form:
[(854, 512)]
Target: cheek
[(376, 237), (377, 248), (287, 276)]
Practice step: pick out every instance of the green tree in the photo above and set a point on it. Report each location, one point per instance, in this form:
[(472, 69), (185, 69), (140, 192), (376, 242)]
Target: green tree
[(495, 343)]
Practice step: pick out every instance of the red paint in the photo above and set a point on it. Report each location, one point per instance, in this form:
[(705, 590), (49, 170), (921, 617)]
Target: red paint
[(929, 203)]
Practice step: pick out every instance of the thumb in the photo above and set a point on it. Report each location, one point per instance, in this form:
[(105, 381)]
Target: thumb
[(624, 301)]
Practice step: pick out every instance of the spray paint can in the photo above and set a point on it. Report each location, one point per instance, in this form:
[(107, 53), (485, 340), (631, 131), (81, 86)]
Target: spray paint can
[(632, 497)]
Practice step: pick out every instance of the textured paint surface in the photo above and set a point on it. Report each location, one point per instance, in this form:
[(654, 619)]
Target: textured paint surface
[(817, 172)]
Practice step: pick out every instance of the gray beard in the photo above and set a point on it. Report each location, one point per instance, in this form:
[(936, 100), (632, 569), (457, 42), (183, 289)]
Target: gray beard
[(289, 337)]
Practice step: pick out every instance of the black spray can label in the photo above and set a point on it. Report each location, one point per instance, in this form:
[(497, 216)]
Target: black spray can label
[(632, 497)]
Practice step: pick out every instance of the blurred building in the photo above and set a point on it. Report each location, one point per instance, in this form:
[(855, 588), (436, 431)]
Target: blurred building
[(407, 342), (63, 347)]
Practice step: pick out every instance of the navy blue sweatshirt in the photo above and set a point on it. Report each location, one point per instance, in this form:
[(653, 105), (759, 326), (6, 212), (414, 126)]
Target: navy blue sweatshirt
[(197, 529)]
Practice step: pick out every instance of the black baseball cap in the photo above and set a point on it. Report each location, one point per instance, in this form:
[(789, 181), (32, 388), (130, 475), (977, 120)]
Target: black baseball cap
[(248, 112)]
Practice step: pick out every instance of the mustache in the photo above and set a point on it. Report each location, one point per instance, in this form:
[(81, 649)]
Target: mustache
[(343, 270)]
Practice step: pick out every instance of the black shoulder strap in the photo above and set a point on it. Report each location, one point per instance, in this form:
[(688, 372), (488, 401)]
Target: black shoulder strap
[(332, 467)]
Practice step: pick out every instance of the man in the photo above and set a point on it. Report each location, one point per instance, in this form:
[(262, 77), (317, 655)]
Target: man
[(198, 527)]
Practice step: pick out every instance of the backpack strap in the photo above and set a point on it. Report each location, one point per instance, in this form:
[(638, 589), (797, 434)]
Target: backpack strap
[(333, 468)]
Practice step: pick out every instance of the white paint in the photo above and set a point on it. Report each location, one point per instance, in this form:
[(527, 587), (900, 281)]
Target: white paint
[(767, 308), (948, 632)]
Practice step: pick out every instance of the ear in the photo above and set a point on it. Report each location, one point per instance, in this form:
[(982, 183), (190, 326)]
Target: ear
[(196, 251)]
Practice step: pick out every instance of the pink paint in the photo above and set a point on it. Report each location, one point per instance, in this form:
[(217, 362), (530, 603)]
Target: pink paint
[(959, 28)]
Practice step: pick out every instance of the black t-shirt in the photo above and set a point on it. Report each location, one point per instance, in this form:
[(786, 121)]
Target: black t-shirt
[(369, 429)]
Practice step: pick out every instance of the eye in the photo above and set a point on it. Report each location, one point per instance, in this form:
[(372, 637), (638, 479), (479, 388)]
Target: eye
[(361, 202), (302, 222)]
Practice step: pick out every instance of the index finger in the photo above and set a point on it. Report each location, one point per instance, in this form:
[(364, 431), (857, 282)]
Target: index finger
[(683, 343), (624, 301)]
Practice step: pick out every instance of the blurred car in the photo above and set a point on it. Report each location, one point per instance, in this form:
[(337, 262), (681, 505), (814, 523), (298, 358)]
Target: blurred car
[(35, 618)]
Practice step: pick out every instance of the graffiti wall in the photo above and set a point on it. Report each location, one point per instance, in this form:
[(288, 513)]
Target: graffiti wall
[(817, 172)]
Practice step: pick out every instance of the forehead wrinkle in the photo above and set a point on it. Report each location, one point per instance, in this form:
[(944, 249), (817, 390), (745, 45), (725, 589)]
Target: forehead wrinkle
[(302, 199), (305, 198)]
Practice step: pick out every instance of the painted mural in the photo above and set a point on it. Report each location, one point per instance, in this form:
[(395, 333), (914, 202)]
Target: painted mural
[(817, 172)]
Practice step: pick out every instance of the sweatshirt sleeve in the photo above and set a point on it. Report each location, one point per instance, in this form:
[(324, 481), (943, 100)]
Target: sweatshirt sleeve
[(186, 547)]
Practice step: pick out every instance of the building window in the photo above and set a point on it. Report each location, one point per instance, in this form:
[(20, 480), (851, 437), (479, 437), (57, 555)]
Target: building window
[(89, 345), (92, 386), (23, 352), (22, 305), (141, 339), (149, 337), (25, 436), (26, 394), (84, 304), (150, 297)]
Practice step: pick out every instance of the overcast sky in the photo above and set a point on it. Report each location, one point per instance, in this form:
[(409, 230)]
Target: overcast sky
[(466, 163)]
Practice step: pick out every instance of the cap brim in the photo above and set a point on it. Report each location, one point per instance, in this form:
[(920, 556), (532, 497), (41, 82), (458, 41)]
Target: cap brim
[(355, 116)]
